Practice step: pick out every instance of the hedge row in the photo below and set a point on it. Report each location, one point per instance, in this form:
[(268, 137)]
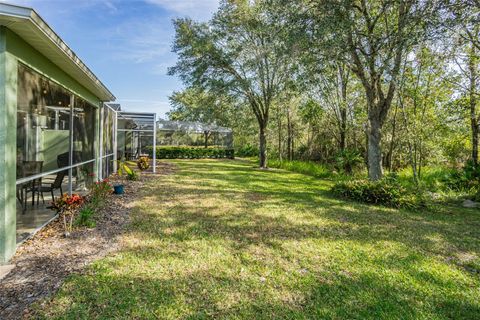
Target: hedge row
[(192, 153)]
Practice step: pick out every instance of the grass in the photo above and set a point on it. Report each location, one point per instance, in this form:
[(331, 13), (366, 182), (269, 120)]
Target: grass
[(432, 178), (310, 168), (441, 180), (224, 240)]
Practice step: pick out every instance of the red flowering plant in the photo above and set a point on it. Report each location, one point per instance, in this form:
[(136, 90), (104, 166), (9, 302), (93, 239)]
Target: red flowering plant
[(99, 191), (67, 206)]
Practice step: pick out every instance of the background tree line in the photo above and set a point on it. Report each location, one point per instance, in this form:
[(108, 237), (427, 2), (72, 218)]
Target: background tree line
[(380, 85)]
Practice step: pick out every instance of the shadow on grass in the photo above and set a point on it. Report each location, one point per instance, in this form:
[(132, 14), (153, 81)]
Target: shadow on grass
[(254, 188), (212, 295), (220, 239)]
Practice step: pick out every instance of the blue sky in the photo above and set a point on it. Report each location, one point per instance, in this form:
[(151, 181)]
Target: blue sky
[(126, 43)]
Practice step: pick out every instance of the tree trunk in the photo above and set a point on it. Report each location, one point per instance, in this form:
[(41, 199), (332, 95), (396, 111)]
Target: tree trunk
[(365, 127), (472, 66), (289, 136), (475, 129), (262, 118), (293, 148), (412, 157), (343, 137), (392, 142), (263, 146), (344, 76), (205, 133), (343, 118), (375, 171), (280, 138)]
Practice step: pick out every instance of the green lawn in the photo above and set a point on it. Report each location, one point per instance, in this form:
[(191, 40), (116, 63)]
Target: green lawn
[(224, 240)]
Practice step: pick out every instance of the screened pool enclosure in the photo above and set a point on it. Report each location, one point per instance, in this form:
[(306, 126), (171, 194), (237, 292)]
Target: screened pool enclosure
[(136, 134), (58, 146), (64, 144), (58, 132), (189, 133)]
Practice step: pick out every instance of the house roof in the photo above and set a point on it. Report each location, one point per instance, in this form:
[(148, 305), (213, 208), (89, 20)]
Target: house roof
[(26, 23)]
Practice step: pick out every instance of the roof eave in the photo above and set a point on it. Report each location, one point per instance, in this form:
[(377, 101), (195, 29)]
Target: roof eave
[(15, 14)]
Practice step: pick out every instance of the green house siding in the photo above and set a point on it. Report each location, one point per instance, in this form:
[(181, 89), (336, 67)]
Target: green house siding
[(8, 120), (14, 50), (35, 60)]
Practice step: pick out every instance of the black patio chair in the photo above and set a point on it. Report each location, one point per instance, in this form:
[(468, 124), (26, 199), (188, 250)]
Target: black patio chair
[(29, 168), (51, 187), (63, 161)]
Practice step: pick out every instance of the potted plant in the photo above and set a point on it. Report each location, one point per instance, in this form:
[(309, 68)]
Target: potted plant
[(122, 171)]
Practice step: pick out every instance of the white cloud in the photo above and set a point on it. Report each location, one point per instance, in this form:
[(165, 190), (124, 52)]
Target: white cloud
[(110, 6), (139, 41), (195, 9)]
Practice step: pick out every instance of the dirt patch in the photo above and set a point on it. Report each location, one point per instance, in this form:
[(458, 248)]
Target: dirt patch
[(43, 262)]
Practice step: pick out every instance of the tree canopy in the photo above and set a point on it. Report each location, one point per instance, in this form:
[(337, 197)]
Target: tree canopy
[(395, 81)]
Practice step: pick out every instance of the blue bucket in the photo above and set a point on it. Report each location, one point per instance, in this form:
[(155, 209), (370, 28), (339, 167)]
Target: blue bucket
[(118, 189)]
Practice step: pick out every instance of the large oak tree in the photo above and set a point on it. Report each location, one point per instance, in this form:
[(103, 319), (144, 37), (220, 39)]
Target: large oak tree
[(244, 51), (372, 37)]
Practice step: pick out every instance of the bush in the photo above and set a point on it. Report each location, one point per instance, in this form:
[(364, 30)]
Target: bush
[(95, 200), (466, 180), (387, 192), (247, 151), (80, 210), (143, 163), (347, 160), (306, 167), (446, 181), (99, 192), (193, 153)]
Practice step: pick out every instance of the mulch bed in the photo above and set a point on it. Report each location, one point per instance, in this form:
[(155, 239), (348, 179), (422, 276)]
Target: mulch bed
[(43, 262)]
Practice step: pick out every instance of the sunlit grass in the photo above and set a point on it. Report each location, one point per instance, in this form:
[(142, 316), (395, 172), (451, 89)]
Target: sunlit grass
[(432, 178), (306, 167), (225, 240)]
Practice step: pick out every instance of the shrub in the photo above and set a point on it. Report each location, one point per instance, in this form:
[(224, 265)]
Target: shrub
[(347, 160), (193, 153), (79, 209), (143, 163), (476, 196), (99, 191), (247, 151), (386, 192), (466, 179), (123, 168)]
